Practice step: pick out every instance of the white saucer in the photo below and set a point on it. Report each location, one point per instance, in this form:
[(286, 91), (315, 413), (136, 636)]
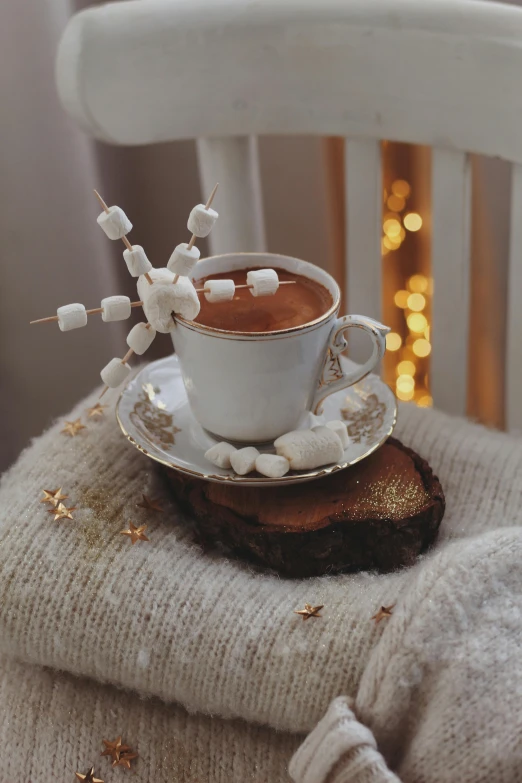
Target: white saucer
[(155, 416)]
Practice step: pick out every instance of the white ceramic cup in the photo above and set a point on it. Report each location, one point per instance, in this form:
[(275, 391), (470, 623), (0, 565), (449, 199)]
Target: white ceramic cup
[(251, 387)]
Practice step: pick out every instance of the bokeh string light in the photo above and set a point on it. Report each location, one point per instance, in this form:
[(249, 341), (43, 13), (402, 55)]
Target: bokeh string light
[(409, 344)]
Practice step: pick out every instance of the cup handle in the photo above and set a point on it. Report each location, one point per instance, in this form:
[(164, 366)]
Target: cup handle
[(332, 377)]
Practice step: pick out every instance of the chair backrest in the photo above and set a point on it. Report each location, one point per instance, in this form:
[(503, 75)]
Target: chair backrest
[(444, 74)]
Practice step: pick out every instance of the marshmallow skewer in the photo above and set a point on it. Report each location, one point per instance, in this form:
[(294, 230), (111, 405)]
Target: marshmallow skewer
[(124, 238), (51, 318), (94, 310), (194, 236)]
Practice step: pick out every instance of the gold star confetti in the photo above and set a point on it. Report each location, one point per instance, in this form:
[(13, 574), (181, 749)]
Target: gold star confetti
[(72, 428), (96, 410), (61, 512), (135, 533), (53, 496), (149, 504), (114, 749), (384, 611), (88, 777), (125, 760), (309, 611)]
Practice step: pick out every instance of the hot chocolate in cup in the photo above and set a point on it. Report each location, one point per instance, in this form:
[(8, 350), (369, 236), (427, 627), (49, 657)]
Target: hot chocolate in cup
[(253, 386)]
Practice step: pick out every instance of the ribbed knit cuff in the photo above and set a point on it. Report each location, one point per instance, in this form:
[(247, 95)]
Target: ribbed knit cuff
[(340, 750)]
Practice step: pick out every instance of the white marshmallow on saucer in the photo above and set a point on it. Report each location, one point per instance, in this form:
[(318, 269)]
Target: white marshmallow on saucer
[(264, 282), (219, 290), (165, 297), (272, 465), (339, 427), (114, 373), (137, 261), (220, 454), (243, 461), (307, 449), (115, 308), (115, 223), (71, 316), (140, 337), (201, 220), (183, 260)]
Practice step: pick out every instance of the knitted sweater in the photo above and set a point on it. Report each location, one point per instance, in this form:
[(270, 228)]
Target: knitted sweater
[(438, 684)]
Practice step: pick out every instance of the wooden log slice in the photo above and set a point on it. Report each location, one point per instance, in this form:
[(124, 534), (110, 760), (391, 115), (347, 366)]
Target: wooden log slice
[(377, 515)]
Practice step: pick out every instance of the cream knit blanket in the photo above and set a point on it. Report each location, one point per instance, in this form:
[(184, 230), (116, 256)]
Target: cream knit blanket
[(439, 685)]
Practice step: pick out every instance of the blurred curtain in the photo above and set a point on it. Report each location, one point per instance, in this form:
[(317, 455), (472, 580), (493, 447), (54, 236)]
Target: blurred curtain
[(52, 251)]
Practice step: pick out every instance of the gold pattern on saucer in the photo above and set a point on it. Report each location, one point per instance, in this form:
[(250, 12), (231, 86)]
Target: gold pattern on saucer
[(383, 613), (365, 416), (309, 611), (149, 414)]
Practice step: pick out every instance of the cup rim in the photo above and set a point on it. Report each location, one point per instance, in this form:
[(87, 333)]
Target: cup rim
[(213, 330)]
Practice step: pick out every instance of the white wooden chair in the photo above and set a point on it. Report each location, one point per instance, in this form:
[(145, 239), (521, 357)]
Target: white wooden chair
[(445, 74)]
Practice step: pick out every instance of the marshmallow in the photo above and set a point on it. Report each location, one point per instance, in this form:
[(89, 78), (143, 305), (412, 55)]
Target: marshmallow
[(201, 220), (71, 316), (220, 454), (264, 282), (243, 461), (164, 298), (114, 373), (183, 260), (272, 465), (115, 223), (306, 449), (339, 427), (137, 261), (140, 337), (219, 290), (115, 308)]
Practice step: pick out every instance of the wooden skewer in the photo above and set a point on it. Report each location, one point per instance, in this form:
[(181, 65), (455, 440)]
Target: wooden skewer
[(88, 312), (124, 239), (194, 237), (245, 285)]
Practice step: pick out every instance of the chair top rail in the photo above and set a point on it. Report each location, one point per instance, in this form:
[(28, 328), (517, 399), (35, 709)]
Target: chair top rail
[(444, 74)]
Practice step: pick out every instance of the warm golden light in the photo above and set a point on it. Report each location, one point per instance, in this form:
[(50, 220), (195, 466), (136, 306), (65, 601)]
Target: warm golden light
[(425, 401), (406, 368), (427, 333), (412, 221), (393, 341), (416, 322), (418, 284), (391, 227), (405, 383), (404, 395), (421, 348), (384, 250), (416, 302), (396, 203), (401, 299), (401, 188), (391, 243)]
